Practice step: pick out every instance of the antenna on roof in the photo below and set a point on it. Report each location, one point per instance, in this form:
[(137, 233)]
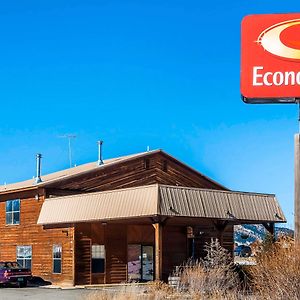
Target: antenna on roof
[(148, 148), (69, 137)]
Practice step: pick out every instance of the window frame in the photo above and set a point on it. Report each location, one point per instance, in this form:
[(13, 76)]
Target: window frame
[(12, 212), (56, 258), (22, 260)]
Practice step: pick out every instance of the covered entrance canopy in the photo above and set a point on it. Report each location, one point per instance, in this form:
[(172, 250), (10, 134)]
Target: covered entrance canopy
[(162, 201), (169, 210)]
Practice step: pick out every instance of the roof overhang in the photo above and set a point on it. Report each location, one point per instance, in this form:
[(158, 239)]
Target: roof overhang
[(162, 200)]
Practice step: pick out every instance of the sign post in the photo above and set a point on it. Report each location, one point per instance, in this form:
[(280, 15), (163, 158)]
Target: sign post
[(270, 71), (297, 189)]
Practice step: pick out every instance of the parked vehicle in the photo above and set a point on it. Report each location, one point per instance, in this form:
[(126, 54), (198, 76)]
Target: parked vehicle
[(242, 251), (13, 272)]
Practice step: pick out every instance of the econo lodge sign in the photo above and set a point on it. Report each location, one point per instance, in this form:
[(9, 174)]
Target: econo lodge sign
[(270, 58)]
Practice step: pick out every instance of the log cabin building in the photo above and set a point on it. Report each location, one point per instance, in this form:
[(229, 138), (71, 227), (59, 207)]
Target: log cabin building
[(132, 218)]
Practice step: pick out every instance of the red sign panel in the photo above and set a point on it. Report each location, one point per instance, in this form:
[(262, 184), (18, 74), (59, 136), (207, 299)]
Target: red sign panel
[(270, 59)]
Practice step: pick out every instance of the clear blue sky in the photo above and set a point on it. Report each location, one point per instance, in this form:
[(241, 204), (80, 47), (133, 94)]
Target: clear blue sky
[(139, 73)]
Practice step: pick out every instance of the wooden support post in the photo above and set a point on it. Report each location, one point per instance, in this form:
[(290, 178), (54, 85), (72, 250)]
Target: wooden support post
[(271, 229), (220, 230), (158, 250), (220, 227)]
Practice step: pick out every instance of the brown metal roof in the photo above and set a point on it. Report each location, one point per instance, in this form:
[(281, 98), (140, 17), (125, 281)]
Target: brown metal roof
[(154, 200), (226, 205)]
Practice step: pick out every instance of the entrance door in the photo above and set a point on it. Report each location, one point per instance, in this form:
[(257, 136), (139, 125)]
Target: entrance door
[(140, 263)]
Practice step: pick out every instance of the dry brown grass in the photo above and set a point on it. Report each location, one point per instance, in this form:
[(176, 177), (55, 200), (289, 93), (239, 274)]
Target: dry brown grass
[(277, 273), (153, 291), (154, 294)]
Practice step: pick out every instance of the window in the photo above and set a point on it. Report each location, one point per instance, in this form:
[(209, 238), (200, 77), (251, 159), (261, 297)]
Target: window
[(57, 249), (13, 212), (98, 259), (24, 255)]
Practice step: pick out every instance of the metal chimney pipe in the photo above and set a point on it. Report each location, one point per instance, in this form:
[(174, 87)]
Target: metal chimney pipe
[(38, 178), (100, 161)]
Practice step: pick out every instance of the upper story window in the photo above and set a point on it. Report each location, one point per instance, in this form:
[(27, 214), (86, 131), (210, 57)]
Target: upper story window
[(13, 212)]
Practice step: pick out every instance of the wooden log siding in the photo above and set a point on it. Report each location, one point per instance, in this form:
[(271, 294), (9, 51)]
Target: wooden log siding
[(140, 234), (28, 233), (116, 253), (177, 174), (174, 251), (133, 173), (128, 174), (87, 234), (83, 270)]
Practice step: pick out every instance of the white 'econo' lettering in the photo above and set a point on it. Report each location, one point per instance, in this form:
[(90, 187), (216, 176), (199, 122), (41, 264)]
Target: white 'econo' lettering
[(261, 78)]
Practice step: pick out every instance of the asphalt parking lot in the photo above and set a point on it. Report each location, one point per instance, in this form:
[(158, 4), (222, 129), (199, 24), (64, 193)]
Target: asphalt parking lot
[(35, 293), (50, 293)]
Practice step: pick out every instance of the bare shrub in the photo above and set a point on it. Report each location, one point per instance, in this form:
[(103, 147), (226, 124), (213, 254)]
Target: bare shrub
[(277, 273), (213, 277)]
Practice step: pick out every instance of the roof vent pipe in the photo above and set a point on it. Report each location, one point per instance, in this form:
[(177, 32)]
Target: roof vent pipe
[(38, 178), (100, 160)]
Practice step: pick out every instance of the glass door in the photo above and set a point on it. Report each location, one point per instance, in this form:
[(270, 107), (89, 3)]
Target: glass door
[(147, 263), (140, 263), (134, 263)]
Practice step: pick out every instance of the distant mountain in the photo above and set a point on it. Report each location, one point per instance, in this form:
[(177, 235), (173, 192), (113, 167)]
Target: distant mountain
[(248, 233)]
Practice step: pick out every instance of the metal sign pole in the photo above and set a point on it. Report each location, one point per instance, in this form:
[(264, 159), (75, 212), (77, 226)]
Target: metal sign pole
[(297, 182), (297, 188)]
